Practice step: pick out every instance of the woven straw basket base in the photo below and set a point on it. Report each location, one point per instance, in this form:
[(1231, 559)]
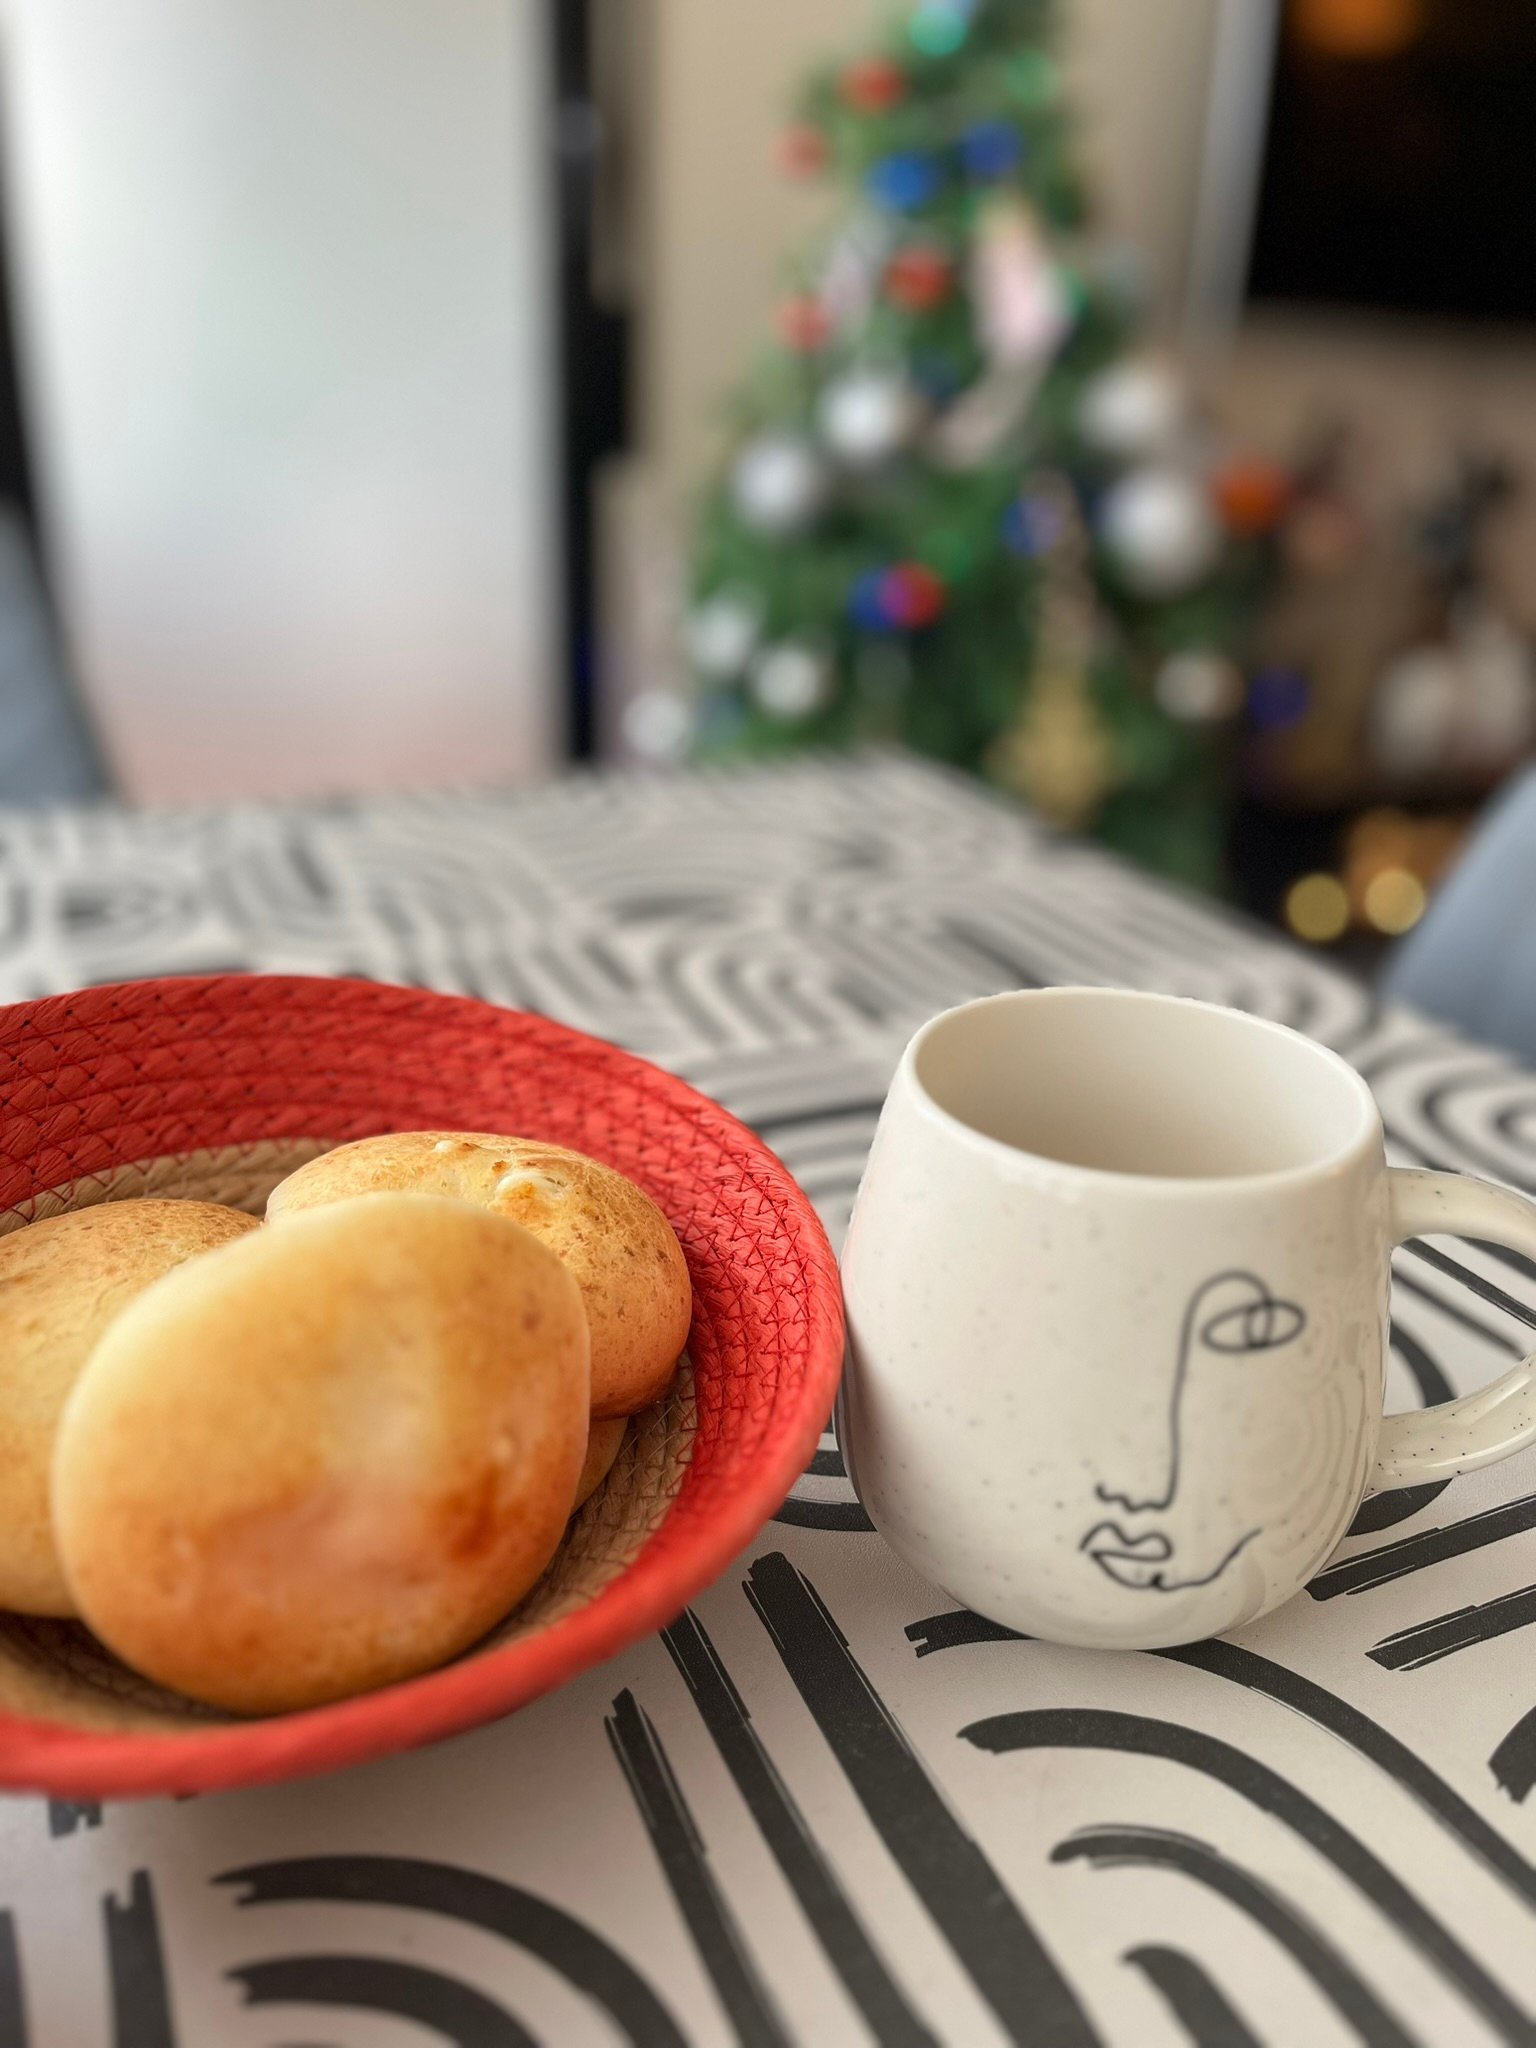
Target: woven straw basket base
[(58, 1671)]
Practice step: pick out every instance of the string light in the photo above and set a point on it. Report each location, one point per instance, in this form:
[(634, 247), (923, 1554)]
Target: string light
[(1377, 841), (1317, 909), (1394, 901)]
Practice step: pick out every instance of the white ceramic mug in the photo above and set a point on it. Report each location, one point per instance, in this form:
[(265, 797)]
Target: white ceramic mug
[(1117, 1285)]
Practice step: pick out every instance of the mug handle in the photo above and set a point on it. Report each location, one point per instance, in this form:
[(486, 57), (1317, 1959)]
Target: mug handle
[(1498, 1420)]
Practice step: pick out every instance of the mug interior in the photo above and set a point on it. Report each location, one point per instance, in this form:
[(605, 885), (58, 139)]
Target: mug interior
[(1117, 1081)]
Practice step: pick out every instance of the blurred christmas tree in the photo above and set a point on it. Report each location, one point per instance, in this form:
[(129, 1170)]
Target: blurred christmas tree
[(958, 513)]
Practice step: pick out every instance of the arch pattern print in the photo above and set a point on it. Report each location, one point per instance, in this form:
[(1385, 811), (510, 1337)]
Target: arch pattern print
[(1202, 2008), (1160, 1849), (1327, 1711), (590, 1963), (765, 1828), (1513, 1763), (679, 1848), (1010, 1964), (457, 2013), (1136, 1734)]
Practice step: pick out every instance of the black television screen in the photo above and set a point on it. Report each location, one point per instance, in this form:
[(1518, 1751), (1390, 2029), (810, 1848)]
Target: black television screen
[(1399, 166)]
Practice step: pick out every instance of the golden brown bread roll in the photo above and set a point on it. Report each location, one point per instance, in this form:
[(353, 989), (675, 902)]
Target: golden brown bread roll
[(61, 1283), (616, 1242), (603, 1442), (327, 1456)]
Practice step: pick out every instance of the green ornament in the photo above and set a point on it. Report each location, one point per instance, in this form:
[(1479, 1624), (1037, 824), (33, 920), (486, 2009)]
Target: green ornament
[(950, 552), (938, 28), (1034, 79)]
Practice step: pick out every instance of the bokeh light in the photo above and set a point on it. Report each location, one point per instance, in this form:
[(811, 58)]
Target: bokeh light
[(1317, 909), (1394, 901), (1362, 29)]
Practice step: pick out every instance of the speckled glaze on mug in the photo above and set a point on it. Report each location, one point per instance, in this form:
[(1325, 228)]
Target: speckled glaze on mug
[(1117, 1284)]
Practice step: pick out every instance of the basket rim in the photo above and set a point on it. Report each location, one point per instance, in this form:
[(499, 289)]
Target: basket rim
[(40, 1755)]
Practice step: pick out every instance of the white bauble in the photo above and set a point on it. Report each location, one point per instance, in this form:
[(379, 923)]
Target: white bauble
[(658, 726), (867, 416), (1498, 720), (1133, 411), (1467, 707), (721, 636), (1160, 527), (791, 680), (779, 484), (1199, 687), (1415, 713)]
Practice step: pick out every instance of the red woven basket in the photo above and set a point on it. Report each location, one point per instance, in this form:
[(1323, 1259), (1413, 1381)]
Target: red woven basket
[(121, 1090)]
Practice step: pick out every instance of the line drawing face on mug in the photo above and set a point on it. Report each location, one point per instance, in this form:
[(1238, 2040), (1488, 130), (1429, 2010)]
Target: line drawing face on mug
[(1230, 1317)]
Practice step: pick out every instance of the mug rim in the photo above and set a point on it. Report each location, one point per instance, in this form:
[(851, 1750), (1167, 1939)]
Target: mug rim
[(1366, 1138)]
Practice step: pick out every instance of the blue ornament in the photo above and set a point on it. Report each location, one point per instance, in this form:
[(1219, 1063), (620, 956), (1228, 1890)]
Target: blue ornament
[(867, 602), (1277, 697), (991, 149), (904, 180), (1031, 527)]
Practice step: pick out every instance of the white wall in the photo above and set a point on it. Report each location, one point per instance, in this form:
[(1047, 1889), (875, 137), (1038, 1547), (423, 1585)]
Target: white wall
[(284, 300)]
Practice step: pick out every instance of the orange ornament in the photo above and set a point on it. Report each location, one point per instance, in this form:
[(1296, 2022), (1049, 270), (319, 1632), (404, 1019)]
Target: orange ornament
[(802, 151), (804, 324), (1251, 494), (874, 85), (918, 279)]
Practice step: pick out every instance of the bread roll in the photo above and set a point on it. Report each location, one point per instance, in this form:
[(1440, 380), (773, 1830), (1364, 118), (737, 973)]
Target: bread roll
[(616, 1242), (61, 1283), (603, 1443), (326, 1457)]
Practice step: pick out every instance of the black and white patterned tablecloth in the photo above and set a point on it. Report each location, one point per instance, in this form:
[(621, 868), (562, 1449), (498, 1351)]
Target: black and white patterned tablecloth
[(777, 1823)]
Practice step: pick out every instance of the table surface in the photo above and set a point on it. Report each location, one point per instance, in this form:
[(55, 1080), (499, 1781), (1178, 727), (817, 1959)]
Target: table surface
[(770, 1825)]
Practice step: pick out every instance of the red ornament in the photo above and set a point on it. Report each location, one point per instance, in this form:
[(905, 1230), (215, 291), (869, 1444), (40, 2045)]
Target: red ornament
[(911, 596), (1251, 494), (802, 151), (804, 324), (918, 279), (873, 86)]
